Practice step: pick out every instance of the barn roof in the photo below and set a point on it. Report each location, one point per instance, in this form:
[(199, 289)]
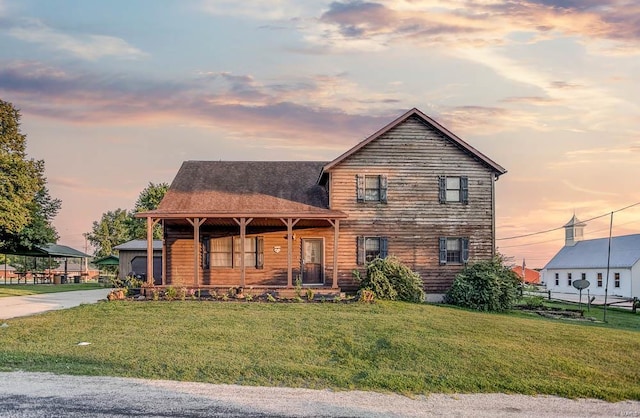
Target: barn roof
[(247, 187), (138, 245), (625, 253)]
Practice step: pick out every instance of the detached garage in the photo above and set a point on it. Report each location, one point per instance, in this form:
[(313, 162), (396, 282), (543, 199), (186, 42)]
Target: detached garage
[(133, 259)]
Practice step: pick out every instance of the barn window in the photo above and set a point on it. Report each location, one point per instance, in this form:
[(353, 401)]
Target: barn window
[(616, 279), (371, 188), (599, 279), (569, 279), (453, 189), (370, 248), (454, 250), (226, 252), (557, 279)]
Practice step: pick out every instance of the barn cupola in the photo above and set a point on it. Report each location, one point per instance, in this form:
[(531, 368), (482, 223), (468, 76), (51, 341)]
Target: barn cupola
[(573, 231)]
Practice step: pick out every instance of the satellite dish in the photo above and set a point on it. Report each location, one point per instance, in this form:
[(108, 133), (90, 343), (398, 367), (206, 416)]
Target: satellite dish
[(581, 284)]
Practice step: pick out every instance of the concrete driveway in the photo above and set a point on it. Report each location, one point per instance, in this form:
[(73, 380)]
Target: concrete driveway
[(15, 306)]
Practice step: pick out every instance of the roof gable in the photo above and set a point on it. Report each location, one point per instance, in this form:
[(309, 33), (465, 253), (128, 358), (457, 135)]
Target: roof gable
[(625, 253), (474, 153)]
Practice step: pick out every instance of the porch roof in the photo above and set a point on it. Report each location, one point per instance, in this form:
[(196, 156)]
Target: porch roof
[(257, 189)]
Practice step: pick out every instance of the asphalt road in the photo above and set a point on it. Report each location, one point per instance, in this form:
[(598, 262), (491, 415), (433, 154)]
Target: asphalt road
[(24, 395)]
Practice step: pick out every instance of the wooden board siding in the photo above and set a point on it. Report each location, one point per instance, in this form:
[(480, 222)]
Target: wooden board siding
[(126, 256), (180, 254), (412, 156)]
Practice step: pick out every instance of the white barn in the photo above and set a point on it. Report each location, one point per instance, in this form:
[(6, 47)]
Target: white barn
[(587, 260)]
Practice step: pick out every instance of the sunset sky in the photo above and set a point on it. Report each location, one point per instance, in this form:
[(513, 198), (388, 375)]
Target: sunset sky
[(116, 94)]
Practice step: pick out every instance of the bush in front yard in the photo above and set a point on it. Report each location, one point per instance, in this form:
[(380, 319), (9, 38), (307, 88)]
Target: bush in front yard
[(389, 279), (485, 286)]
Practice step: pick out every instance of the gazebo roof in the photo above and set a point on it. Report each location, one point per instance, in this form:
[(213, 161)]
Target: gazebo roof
[(49, 250), (110, 260)]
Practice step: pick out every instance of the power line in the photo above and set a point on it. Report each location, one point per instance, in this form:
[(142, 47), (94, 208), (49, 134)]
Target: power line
[(531, 243), (560, 227), (554, 239)]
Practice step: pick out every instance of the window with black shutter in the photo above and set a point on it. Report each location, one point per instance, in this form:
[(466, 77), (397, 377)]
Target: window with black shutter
[(453, 250), (371, 188), (226, 252), (370, 248), (453, 189)]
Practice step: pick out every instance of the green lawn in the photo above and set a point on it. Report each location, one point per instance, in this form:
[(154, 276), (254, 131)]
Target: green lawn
[(36, 289), (616, 317), (387, 346)]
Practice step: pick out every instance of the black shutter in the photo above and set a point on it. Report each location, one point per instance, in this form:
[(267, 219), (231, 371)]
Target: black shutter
[(204, 252), (383, 188), (383, 247), (465, 250), (442, 189), (360, 187), (464, 190), (259, 252), (443, 251), (360, 250)]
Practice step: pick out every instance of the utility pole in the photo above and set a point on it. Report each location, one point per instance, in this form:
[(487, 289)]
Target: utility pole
[(606, 287), (86, 260)]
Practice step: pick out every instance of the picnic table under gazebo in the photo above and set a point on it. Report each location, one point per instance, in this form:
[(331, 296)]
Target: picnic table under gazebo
[(44, 251)]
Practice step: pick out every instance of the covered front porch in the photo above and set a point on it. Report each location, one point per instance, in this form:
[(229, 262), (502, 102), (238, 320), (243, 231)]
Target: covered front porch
[(248, 250)]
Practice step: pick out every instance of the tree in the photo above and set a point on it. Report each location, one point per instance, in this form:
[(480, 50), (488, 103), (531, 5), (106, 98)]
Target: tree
[(119, 226), (26, 208), (111, 230), (149, 199)]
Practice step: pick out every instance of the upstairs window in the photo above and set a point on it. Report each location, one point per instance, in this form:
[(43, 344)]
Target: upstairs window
[(454, 250), (557, 279), (569, 279), (453, 189), (371, 188), (599, 279), (370, 248), (616, 279)]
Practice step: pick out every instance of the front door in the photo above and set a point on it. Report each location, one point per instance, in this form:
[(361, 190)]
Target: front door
[(312, 261)]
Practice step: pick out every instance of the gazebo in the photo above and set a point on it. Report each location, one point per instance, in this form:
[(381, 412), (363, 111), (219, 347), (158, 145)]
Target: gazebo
[(49, 251), (112, 261)]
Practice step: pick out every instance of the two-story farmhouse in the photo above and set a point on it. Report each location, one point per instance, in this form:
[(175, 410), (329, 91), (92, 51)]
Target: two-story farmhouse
[(413, 189)]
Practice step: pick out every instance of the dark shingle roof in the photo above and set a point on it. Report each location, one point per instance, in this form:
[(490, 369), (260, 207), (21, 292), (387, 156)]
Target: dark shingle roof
[(625, 252), (246, 187)]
